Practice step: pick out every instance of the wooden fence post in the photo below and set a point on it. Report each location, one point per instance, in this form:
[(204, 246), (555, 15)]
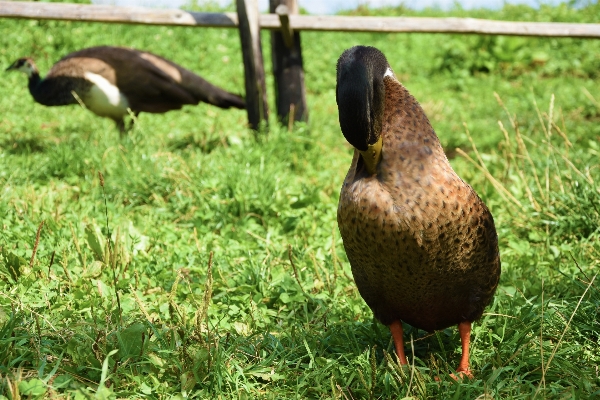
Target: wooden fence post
[(286, 55), (254, 71)]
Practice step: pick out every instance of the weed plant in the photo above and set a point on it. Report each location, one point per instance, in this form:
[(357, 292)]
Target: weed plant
[(197, 259)]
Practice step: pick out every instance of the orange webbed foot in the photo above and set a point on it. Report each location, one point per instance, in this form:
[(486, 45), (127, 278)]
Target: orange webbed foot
[(462, 374), (463, 370)]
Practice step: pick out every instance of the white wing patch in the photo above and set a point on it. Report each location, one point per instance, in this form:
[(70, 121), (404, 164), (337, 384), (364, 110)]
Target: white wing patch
[(389, 72), (104, 98)]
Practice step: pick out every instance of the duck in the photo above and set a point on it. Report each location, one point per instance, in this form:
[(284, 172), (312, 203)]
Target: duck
[(422, 245), (110, 81)]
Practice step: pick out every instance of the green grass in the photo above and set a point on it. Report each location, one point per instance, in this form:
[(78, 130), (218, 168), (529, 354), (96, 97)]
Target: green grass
[(274, 313)]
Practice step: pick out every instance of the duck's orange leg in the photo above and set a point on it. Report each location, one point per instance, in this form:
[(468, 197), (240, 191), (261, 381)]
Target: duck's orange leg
[(464, 329), (397, 334)]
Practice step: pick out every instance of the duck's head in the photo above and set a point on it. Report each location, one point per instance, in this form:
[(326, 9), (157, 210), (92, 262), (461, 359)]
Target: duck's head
[(25, 65), (360, 95)]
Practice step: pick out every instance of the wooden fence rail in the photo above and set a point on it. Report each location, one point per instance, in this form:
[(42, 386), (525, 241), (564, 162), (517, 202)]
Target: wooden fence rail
[(149, 16)]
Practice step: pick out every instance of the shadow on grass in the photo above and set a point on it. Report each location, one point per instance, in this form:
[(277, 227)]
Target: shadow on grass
[(205, 143), (24, 145)]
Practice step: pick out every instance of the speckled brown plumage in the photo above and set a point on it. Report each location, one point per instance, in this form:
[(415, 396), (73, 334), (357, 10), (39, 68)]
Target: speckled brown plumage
[(422, 245)]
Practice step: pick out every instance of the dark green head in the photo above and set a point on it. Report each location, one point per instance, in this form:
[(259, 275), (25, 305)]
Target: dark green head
[(360, 94)]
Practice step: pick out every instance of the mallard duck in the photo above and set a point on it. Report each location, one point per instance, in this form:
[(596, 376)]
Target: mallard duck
[(111, 80), (421, 243)]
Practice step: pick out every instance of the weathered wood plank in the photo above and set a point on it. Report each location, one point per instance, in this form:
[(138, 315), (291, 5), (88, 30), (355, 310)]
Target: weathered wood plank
[(254, 71), (115, 14), (437, 25), (149, 16), (288, 70)]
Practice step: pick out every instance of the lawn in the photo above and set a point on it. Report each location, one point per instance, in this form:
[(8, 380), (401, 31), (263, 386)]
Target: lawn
[(195, 258)]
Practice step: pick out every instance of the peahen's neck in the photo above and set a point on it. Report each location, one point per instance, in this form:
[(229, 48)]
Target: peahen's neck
[(34, 83)]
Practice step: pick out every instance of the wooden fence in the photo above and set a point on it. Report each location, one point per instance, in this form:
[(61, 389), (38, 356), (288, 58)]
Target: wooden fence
[(285, 24)]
